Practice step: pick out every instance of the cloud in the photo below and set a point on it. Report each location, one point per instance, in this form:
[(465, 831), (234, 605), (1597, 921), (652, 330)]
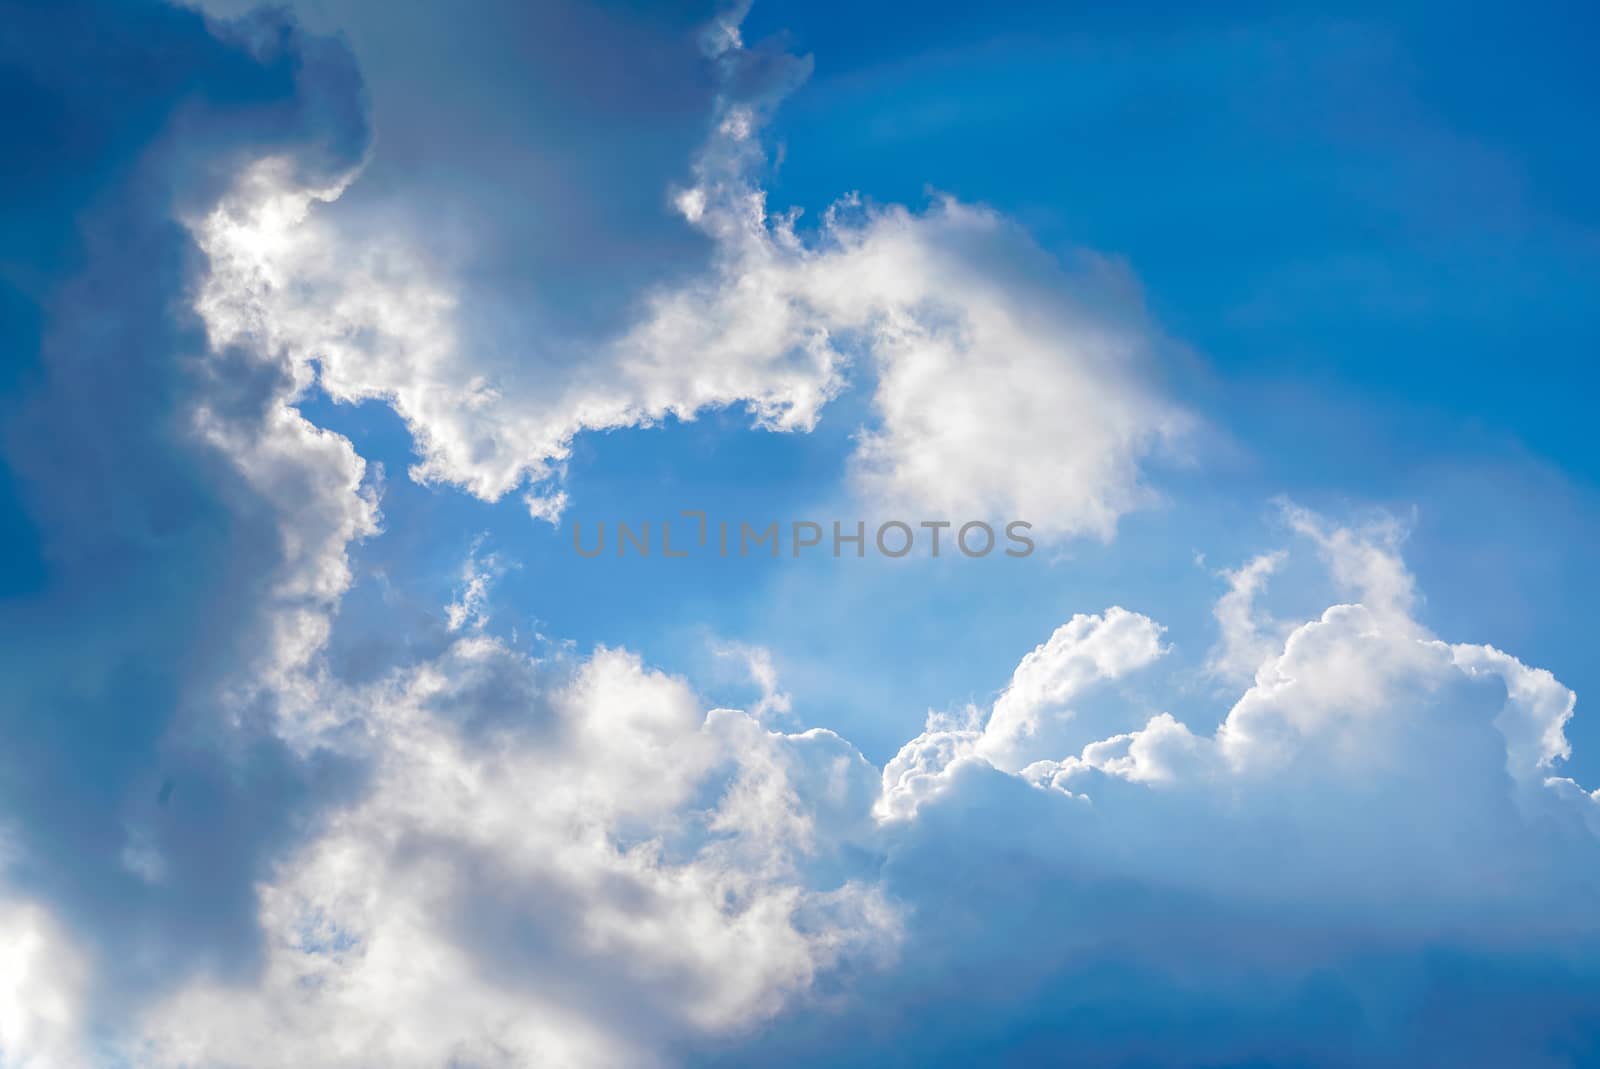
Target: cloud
[(1375, 816), (577, 889), (42, 991), (759, 665), (1247, 639), (1085, 651), (193, 528), (538, 836), (218, 851), (1006, 385), (1003, 390), (478, 573)]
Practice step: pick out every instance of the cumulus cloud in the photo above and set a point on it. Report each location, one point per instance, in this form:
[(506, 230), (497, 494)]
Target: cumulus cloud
[(1006, 385), (1001, 391), (221, 853), (1375, 796), (575, 881), (1085, 651), (1360, 713), (574, 862)]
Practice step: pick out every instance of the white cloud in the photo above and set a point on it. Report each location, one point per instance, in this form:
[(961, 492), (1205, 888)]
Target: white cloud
[(316, 495), (1249, 638), (43, 986), (1364, 561), (578, 864), (1006, 386), (477, 574), (567, 877), (1387, 766), (1081, 653), (758, 664), (1535, 715)]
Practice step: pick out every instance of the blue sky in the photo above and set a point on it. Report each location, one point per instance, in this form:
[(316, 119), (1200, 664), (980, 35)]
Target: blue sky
[(325, 325)]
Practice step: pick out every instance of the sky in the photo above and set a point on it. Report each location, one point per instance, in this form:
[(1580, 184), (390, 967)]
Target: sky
[(335, 334)]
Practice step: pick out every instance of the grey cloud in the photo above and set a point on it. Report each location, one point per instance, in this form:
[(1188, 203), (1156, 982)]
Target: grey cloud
[(126, 802)]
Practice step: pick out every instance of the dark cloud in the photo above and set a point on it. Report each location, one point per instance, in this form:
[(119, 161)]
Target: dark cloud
[(527, 148), (143, 563)]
